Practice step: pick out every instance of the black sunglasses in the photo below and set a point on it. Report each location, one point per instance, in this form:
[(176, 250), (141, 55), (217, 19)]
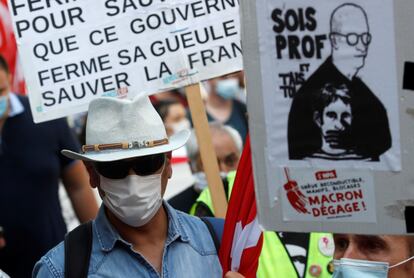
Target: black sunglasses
[(142, 166)]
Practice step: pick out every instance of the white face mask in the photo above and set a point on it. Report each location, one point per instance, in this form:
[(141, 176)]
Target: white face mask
[(135, 199), (181, 125), (200, 180)]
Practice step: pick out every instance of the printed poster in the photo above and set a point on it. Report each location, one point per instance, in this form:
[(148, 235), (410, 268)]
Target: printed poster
[(332, 98), (335, 196)]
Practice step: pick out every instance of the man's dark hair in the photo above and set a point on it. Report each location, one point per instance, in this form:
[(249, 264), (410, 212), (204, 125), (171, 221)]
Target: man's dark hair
[(329, 94), (163, 106), (3, 65)]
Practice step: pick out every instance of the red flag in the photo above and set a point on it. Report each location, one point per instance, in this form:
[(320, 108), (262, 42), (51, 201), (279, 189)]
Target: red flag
[(8, 48), (242, 237)]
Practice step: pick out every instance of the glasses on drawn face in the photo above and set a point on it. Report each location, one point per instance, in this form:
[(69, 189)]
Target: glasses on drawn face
[(142, 166), (229, 160), (353, 38)]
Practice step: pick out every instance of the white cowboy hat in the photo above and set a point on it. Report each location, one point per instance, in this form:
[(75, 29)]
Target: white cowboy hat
[(119, 129)]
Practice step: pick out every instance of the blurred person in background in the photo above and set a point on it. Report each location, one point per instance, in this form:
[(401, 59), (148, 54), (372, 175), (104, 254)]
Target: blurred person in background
[(173, 114), (174, 117), (228, 146), (374, 256), (222, 105), (242, 94), (174, 95), (31, 166)]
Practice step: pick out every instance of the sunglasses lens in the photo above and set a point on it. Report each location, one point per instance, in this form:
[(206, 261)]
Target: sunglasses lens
[(142, 166), (148, 165), (113, 170)]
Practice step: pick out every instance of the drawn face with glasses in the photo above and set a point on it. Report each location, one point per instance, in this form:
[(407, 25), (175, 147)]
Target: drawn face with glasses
[(350, 37), (353, 38)]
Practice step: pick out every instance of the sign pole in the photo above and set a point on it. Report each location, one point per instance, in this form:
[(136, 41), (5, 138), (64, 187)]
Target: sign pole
[(208, 155)]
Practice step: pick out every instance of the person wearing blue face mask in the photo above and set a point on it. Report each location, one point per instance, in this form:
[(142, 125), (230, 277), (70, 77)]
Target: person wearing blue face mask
[(222, 105), (373, 256)]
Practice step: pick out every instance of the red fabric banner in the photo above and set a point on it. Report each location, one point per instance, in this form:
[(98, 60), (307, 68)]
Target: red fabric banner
[(242, 238), (8, 48)]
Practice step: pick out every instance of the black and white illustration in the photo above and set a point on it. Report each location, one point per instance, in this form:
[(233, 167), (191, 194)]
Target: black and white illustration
[(332, 114), (364, 132), (336, 88)]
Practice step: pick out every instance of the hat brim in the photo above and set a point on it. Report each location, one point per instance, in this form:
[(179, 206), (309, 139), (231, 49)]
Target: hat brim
[(176, 141)]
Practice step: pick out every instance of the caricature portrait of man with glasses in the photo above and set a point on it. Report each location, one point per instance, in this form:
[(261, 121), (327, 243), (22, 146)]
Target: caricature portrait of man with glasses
[(369, 135)]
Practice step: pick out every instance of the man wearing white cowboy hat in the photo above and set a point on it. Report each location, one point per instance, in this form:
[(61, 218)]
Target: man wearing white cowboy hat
[(136, 233)]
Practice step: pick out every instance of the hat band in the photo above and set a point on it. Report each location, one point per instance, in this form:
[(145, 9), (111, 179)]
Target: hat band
[(124, 145)]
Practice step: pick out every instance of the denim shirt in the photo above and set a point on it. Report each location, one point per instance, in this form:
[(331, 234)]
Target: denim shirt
[(189, 251)]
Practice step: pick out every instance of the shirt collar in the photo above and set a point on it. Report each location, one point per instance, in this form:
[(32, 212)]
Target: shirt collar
[(16, 107), (108, 235), (176, 228)]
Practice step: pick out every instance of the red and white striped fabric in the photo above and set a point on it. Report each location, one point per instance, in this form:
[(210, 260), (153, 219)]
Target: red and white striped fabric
[(8, 48), (242, 237)]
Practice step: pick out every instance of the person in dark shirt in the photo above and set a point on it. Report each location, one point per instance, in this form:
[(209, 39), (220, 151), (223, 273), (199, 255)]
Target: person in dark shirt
[(173, 114), (370, 131), (30, 168)]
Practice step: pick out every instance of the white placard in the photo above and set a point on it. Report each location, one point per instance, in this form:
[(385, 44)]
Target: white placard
[(328, 95), (75, 51)]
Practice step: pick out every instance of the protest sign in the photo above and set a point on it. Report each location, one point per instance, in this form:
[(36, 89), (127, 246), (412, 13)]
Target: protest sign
[(74, 51), (328, 120)]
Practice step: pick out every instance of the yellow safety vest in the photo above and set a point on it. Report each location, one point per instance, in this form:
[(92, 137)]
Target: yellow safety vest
[(274, 261), (205, 195)]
